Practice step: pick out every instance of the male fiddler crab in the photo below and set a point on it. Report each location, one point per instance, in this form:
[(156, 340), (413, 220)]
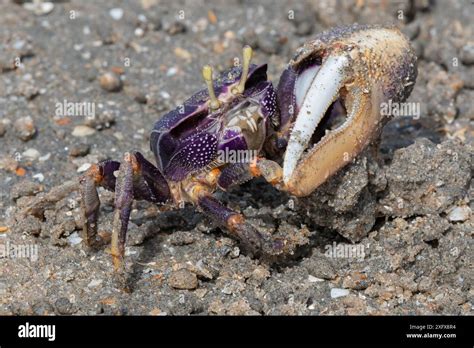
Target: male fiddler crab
[(344, 74)]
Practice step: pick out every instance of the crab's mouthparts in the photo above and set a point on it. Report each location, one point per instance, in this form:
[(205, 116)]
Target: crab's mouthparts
[(318, 90)]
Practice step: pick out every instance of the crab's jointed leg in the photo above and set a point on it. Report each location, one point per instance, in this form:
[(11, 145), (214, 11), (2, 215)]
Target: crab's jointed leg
[(101, 174), (232, 222), (239, 173), (133, 178)]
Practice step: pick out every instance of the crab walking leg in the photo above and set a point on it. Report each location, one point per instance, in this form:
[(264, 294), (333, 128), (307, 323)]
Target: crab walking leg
[(233, 222), (123, 207), (234, 174), (324, 89), (238, 173), (136, 179), (101, 174)]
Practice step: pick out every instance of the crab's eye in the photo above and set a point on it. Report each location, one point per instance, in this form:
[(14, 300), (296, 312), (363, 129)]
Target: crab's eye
[(247, 57), (207, 75), (214, 102)]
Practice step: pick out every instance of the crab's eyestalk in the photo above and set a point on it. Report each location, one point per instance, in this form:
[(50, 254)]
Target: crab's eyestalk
[(247, 57), (214, 103), (331, 95)]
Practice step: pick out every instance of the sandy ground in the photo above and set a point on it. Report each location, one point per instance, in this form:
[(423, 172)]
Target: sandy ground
[(389, 234)]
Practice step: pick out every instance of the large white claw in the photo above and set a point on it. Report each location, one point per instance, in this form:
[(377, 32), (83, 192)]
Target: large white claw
[(323, 90)]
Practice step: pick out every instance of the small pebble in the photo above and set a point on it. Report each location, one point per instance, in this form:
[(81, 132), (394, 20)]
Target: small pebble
[(39, 177), (177, 27), (116, 13), (467, 54), (110, 82), (200, 25), (79, 150), (63, 306), (82, 131), (118, 135), (183, 279), (320, 266), (8, 163), (337, 292), (356, 280), (74, 239), (165, 95), (139, 32), (459, 214), (103, 119), (86, 55), (25, 128), (45, 157), (313, 279), (42, 308), (182, 238), (94, 283), (83, 168), (182, 53), (172, 71), (31, 154), (202, 271), (39, 8)]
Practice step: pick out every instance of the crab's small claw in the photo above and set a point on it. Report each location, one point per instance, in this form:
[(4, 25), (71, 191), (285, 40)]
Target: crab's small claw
[(356, 68)]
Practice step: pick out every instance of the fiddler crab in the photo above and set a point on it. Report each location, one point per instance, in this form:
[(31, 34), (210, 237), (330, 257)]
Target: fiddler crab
[(324, 112)]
